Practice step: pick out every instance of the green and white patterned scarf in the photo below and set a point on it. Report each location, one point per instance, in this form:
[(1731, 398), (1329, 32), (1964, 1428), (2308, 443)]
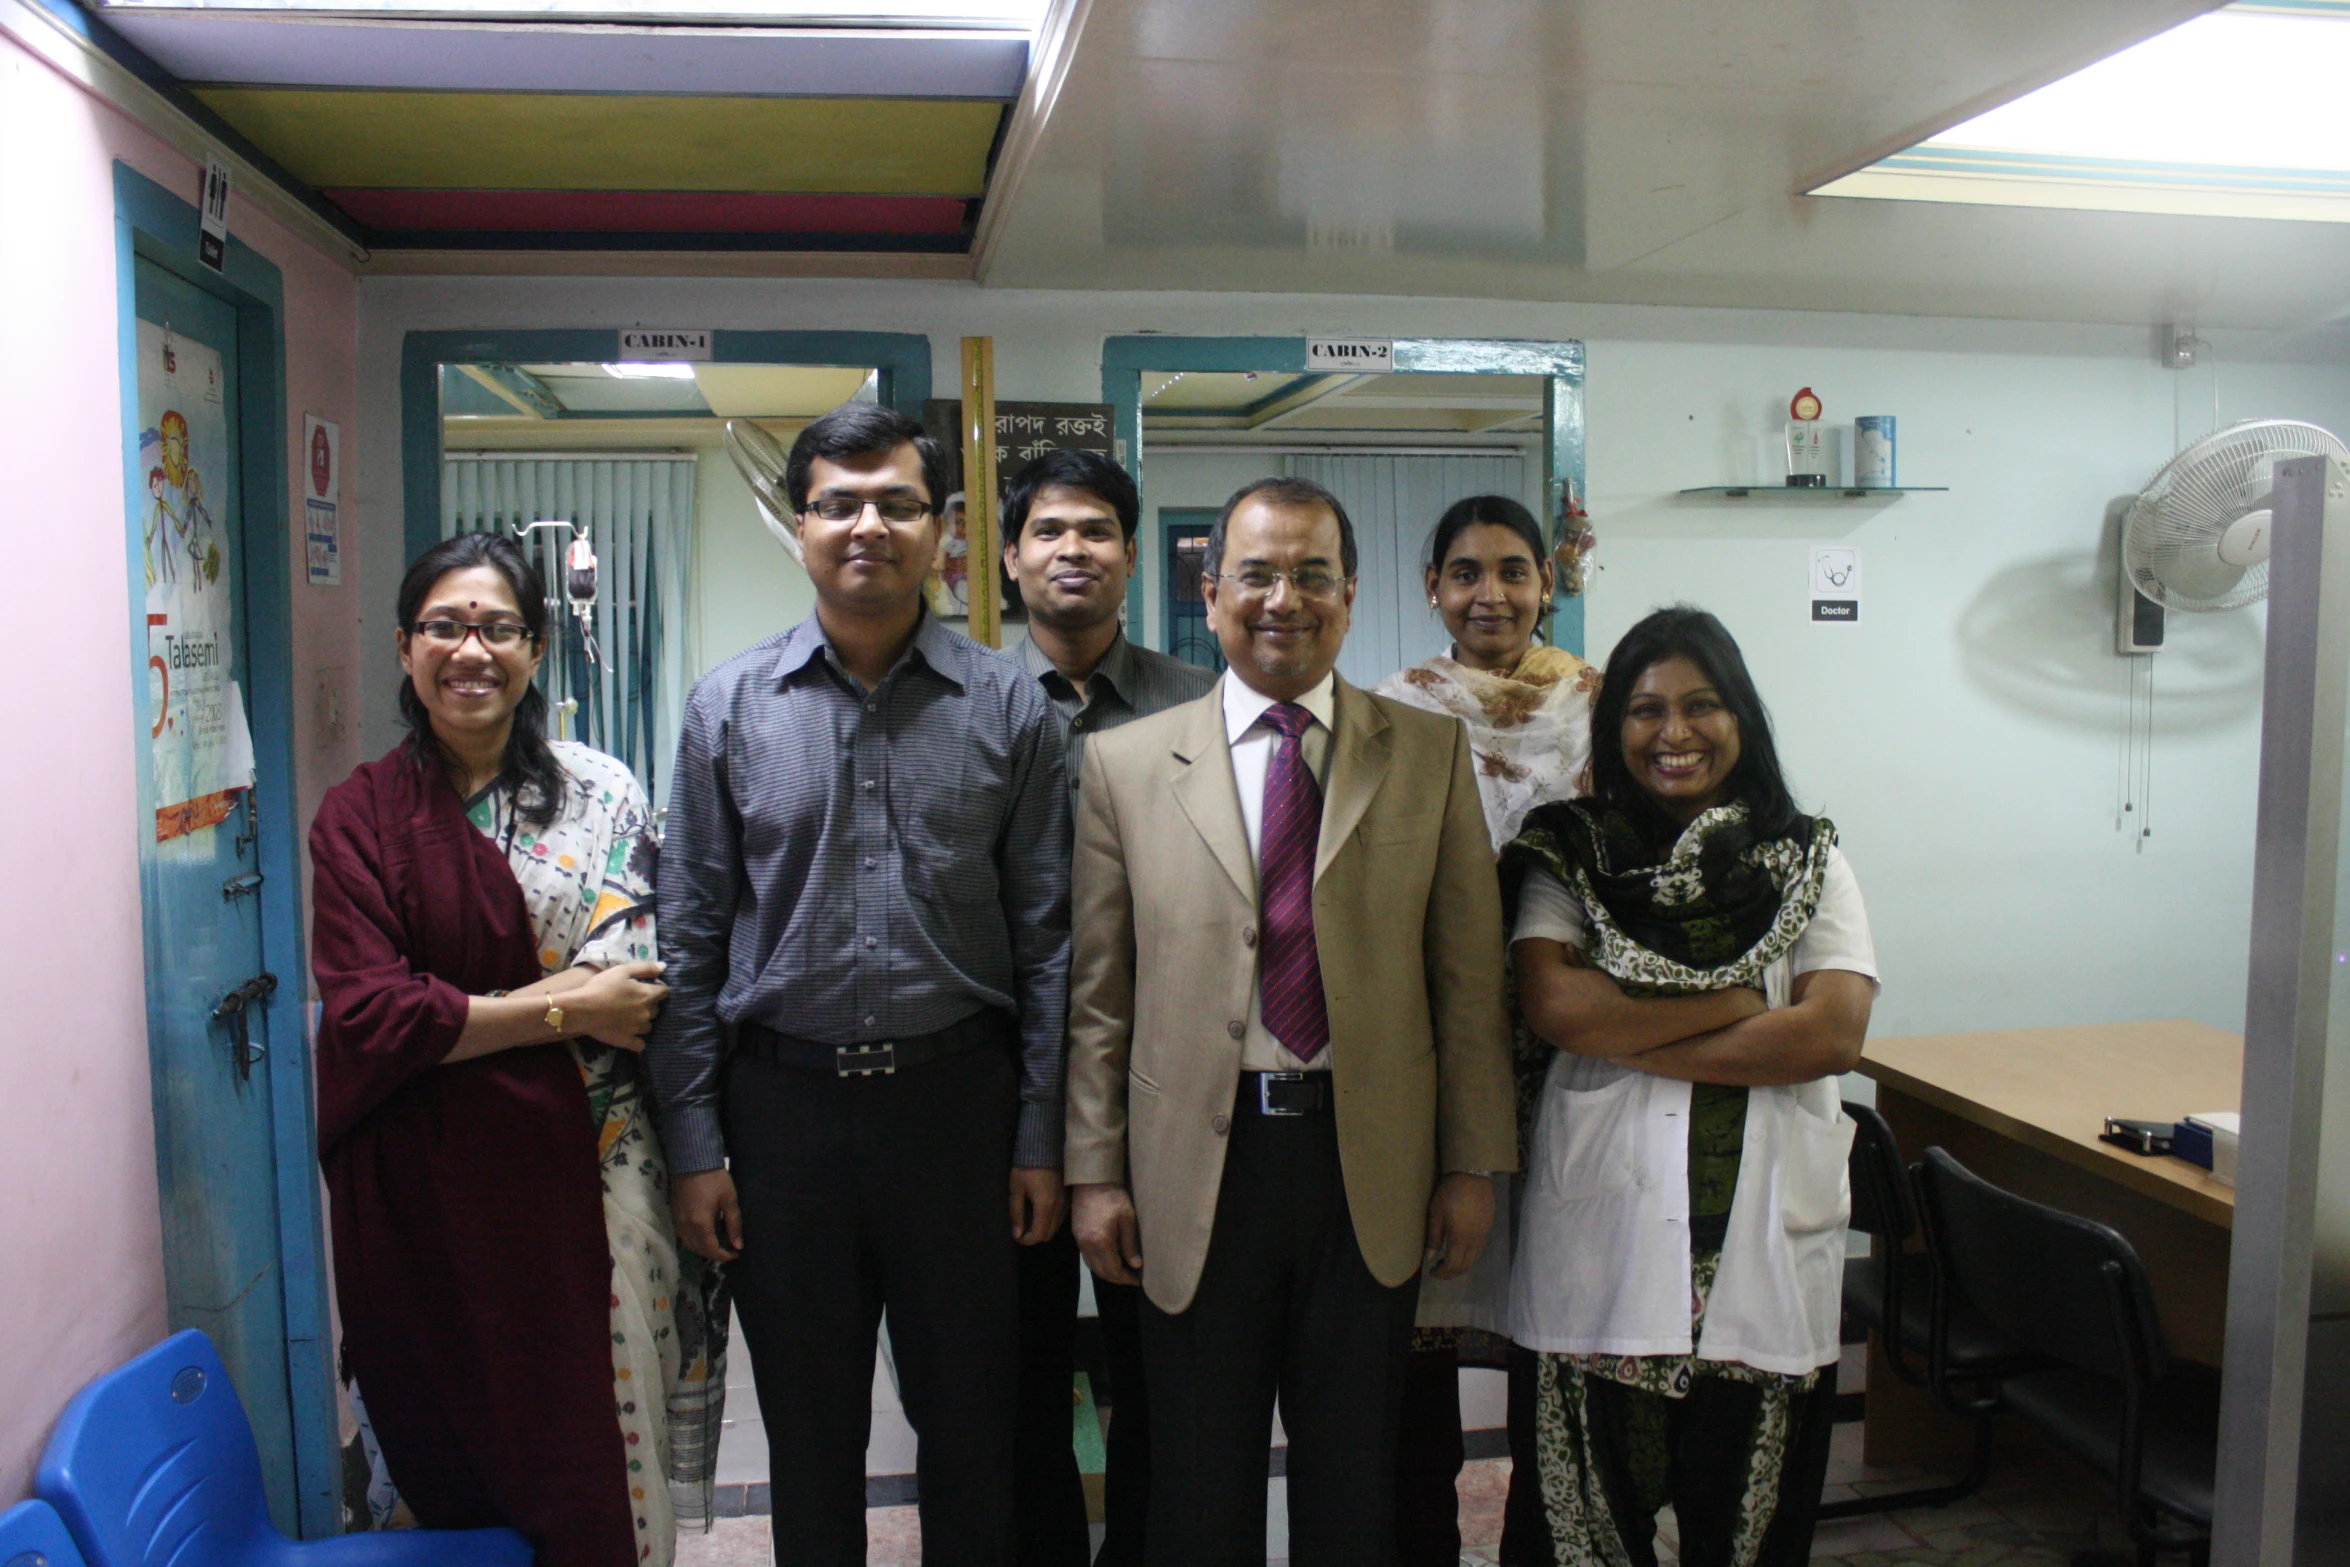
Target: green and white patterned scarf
[(1717, 910)]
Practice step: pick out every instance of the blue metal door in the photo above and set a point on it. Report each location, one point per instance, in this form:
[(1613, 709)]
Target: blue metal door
[(199, 861), (1188, 635)]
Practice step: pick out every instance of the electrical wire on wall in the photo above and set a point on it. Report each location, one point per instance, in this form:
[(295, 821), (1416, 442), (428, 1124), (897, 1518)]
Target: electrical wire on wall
[(2133, 794), (2133, 799)]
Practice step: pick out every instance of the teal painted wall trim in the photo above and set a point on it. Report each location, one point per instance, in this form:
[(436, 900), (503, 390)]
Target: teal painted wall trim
[(1125, 360), (1562, 467), (902, 358), (153, 223)]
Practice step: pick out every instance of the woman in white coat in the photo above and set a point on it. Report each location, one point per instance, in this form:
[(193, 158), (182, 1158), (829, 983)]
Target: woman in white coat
[(1697, 951)]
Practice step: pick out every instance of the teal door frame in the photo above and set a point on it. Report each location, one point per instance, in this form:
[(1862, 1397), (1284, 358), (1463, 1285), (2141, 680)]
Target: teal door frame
[(1124, 359), (159, 227), (901, 358)]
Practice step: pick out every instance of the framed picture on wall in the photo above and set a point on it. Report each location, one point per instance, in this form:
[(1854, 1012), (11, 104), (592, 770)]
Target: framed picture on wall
[(1023, 433)]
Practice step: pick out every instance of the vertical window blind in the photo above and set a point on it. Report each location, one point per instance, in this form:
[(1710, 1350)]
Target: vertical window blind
[(1394, 502), (637, 509)]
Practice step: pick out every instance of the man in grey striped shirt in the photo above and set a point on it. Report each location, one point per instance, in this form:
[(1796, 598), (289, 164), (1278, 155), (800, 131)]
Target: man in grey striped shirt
[(865, 881), (1069, 527)]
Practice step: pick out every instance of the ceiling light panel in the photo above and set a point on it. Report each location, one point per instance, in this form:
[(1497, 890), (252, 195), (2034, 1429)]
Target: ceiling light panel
[(2235, 113), (1015, 15), (367, 139), (298, 50)]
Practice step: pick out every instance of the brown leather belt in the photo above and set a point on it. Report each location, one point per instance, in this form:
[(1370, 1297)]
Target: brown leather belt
[(882, 1058)]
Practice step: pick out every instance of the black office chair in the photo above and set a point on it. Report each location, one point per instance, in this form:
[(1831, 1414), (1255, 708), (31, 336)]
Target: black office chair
[(1892, 1292), (2075, 1291)]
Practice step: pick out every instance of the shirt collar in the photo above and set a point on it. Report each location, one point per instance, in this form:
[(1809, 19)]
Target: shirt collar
[(1116, 667), (934, 646), (1244, 705)]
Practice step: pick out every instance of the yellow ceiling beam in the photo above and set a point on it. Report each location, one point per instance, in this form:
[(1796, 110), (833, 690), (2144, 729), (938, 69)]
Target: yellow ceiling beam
[(586, 141)]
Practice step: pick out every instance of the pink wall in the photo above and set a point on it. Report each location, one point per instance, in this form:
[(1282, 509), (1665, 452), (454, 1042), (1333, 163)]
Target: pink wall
[(82, 1284)]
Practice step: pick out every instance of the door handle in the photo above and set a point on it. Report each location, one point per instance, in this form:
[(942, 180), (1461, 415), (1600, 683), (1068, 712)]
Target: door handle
[(231, 1011), (250, 833)]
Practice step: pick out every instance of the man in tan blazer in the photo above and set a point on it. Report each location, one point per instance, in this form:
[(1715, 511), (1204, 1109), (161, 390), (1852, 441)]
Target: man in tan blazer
[(1289, 1080)]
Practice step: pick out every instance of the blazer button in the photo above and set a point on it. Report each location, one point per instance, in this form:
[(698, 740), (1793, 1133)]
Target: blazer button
[(1222, 1124), (1236, 1028), (1248, 935)]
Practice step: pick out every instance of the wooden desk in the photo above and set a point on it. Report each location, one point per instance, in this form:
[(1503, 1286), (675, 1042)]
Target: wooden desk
[(2022, 1108)]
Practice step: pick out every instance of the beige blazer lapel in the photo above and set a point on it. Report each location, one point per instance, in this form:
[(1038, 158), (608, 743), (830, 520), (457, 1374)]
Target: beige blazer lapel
[(1204, 790), (1359, 750)]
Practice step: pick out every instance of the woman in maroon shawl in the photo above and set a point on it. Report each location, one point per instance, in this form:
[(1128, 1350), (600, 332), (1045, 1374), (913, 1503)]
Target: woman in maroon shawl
[(486, 1161)]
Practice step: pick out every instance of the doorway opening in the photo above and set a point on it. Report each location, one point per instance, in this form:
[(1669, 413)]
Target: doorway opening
[(629, 460), (210, 601), (506, 429), (1200, 417), (561, 435)]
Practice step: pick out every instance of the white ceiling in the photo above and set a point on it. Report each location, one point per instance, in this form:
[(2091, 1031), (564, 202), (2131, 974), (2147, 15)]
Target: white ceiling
[(1634, 151)]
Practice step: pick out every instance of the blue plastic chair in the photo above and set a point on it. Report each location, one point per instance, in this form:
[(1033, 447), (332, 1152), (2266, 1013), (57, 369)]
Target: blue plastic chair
[(154, 1463), (32, 1535)]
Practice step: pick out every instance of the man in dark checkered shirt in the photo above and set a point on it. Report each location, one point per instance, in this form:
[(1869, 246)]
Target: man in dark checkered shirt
[(865, 883)]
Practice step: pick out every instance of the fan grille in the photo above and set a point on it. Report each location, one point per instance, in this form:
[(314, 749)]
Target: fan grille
[(2171, 536)]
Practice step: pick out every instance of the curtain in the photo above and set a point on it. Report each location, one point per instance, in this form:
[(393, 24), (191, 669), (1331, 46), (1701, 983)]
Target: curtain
[(1394, 503), (638, 512)]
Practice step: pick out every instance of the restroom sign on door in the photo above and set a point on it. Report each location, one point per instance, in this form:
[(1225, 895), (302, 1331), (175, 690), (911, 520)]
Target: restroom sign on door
[(1835, 585)]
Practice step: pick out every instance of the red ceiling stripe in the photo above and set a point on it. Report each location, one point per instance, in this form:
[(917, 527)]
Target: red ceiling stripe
[(651, 212)]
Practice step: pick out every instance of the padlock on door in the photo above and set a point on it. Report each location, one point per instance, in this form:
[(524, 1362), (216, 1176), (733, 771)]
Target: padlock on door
[(231, 1011)]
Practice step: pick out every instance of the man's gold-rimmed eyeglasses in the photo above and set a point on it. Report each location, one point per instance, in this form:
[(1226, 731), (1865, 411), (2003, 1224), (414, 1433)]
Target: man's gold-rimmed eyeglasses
[(1313, 582)]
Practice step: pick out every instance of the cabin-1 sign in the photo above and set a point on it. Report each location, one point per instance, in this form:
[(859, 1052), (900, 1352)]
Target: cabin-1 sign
[(638, 343)]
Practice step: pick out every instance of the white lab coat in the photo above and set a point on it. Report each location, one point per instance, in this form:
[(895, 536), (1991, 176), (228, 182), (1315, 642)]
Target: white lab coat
[(1602, 1264)]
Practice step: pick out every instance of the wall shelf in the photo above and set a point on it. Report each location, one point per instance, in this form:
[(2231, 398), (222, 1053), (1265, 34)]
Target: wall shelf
[(1814, 492)]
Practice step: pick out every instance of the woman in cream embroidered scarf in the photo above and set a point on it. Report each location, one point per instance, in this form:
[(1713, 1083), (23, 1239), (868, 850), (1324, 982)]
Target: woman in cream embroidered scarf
[(1528, 710)]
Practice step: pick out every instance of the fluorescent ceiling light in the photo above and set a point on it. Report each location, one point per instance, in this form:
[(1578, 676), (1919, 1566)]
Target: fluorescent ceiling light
[(1022, 16), (652, 370), (2237, 113)]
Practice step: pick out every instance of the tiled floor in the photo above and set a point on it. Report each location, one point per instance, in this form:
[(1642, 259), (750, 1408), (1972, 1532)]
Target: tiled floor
[(2036, 1511)]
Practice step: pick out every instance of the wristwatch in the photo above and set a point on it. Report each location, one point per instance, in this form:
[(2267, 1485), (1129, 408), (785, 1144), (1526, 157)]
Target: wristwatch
[(555, 1016)]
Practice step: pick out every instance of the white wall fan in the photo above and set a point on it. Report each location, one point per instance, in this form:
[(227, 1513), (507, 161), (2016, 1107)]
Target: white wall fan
[(2197, 537)]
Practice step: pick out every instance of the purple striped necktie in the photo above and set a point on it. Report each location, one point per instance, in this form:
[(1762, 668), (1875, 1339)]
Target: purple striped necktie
[(1290, 982)]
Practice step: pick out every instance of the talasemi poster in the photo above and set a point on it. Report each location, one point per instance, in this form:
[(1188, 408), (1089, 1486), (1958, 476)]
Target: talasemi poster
[(202, 750)]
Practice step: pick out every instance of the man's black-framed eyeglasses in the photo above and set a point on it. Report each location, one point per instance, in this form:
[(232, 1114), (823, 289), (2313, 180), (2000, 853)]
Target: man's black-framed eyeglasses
[(848, 508)]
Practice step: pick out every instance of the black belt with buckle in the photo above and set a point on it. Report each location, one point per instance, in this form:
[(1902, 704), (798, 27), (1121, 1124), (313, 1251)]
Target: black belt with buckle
[(1290, 1093), (883, 1058)]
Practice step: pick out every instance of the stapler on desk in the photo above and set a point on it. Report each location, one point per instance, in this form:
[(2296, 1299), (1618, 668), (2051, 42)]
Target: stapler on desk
[(2139, 1137)]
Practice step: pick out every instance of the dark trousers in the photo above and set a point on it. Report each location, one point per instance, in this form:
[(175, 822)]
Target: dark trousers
[(1048, 1496), (1806, 1475), (1126, 1479), (862, 1194), (1429, 1454), (1709, 1439), (1285, 1309)]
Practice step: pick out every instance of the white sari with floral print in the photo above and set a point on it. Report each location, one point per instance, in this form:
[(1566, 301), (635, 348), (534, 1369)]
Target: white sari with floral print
[(587, 880)]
